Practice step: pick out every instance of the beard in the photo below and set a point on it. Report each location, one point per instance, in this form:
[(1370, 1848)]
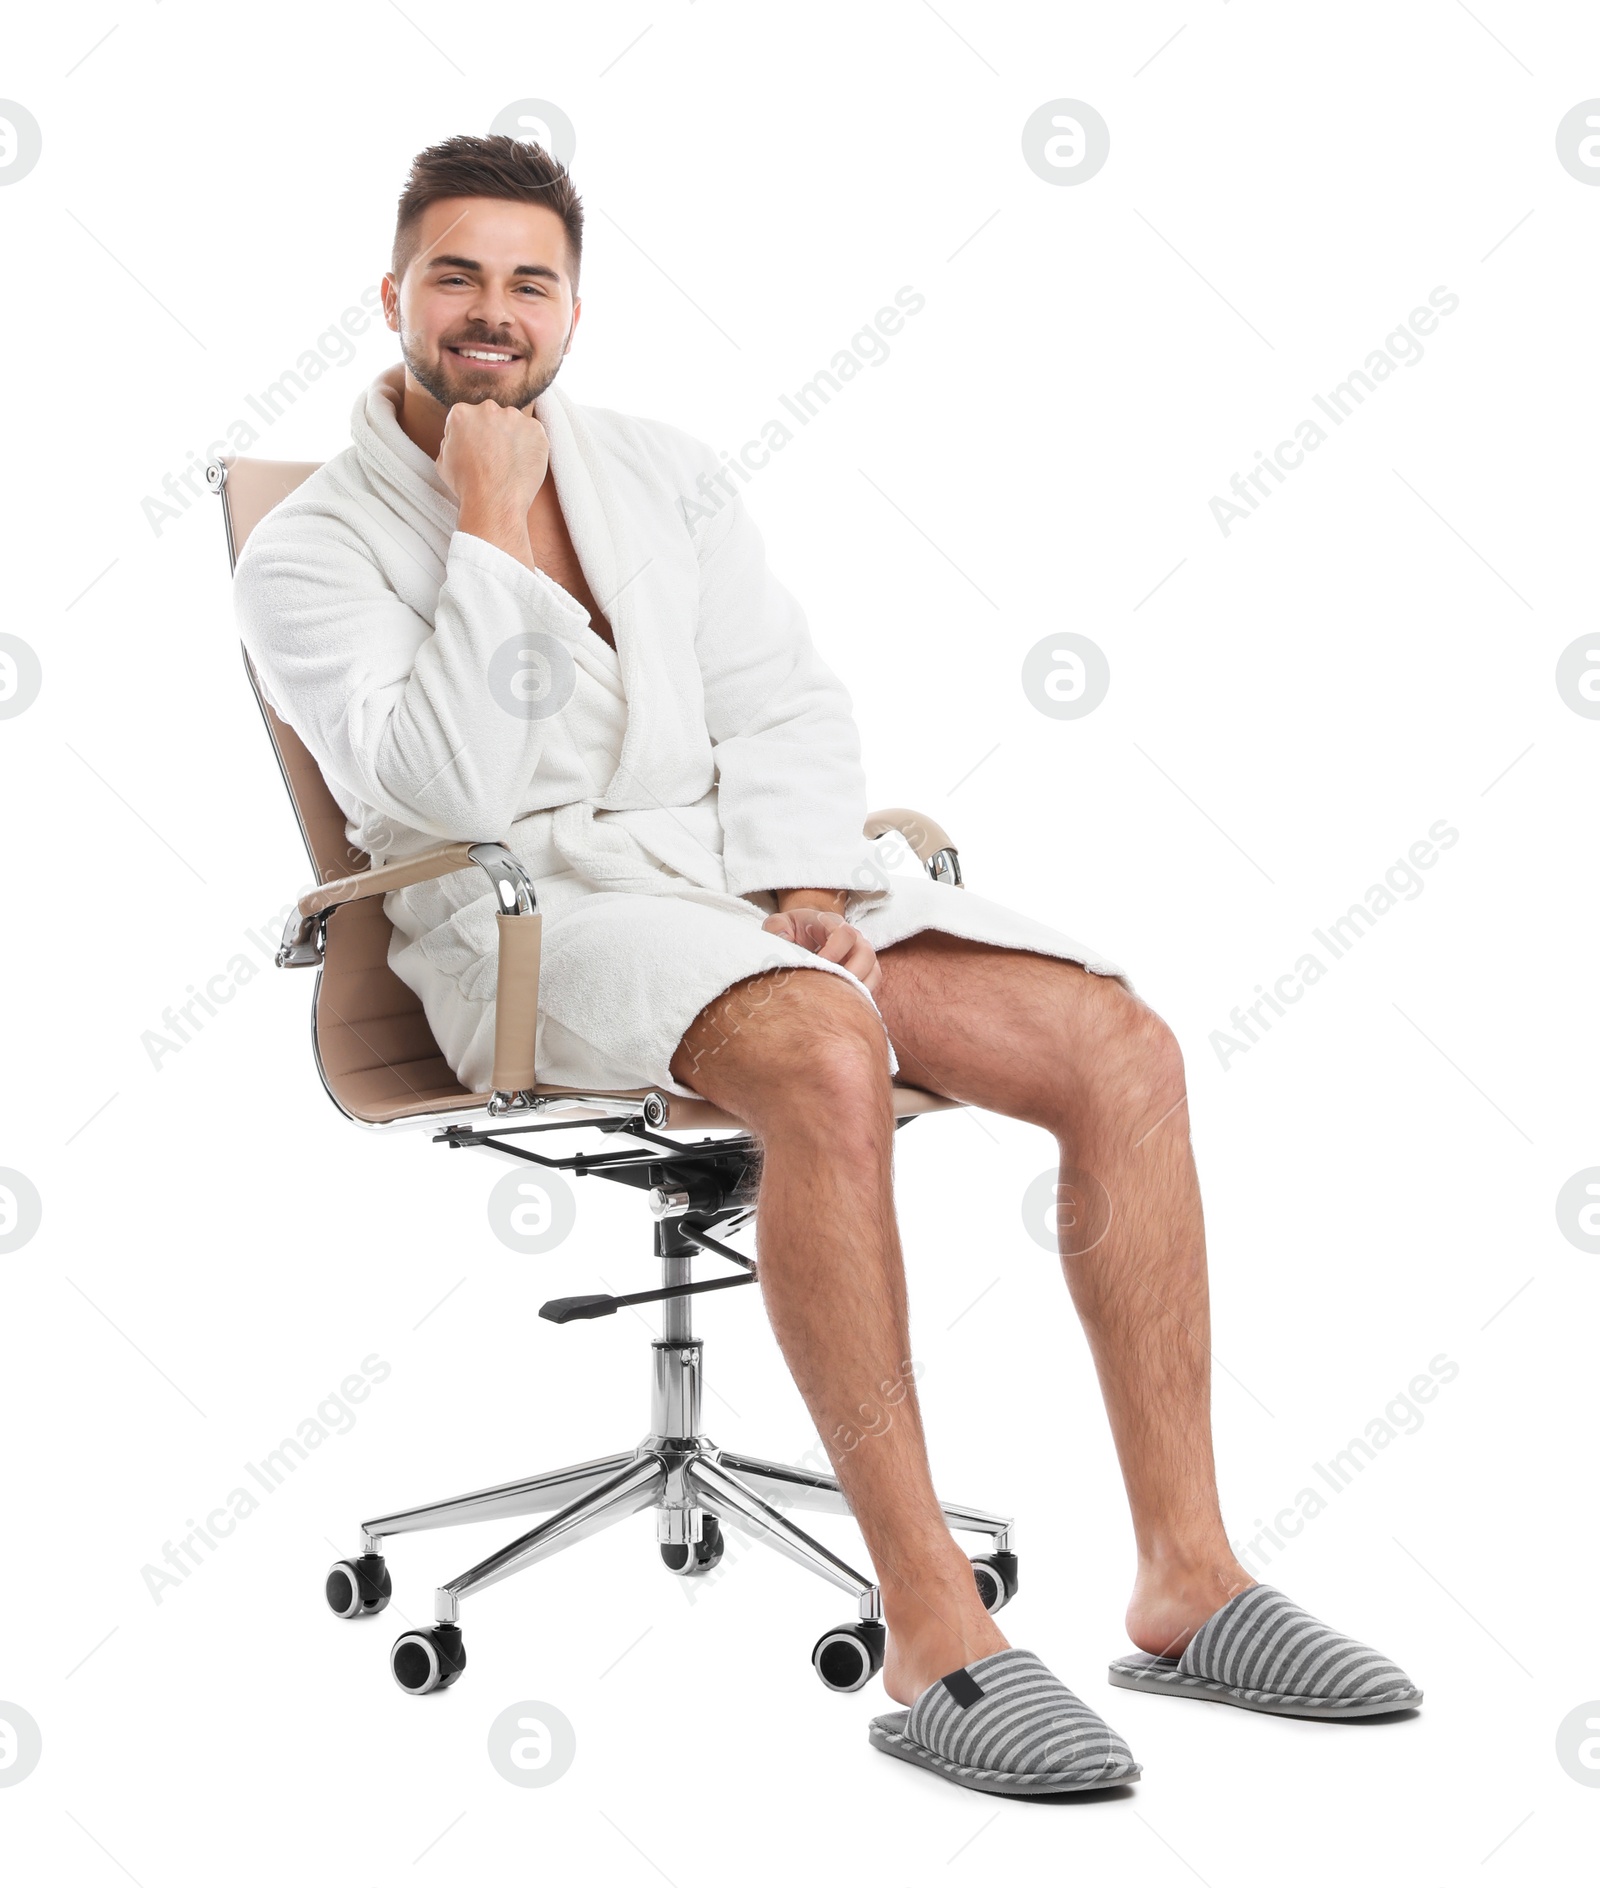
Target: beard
[(451, 380)]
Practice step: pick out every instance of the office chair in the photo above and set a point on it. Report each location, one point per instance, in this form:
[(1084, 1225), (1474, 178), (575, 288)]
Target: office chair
[(382, 1068)]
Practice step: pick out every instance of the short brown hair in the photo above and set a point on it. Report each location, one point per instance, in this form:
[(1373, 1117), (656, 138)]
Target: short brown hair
[(493, 166)]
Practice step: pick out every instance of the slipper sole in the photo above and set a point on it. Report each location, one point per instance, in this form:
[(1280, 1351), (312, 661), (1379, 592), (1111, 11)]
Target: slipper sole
[(1162, 1676), (888, 1734)]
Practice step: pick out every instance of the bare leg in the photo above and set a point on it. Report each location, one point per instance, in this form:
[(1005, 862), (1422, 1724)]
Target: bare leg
[(800, 1057), (1046, 1041)]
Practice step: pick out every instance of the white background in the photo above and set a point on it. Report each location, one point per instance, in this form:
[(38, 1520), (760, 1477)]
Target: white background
[(1291, 707)]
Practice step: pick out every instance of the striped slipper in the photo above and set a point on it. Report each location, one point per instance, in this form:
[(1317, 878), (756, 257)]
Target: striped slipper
[(1265, 1653), (1007, 1725)]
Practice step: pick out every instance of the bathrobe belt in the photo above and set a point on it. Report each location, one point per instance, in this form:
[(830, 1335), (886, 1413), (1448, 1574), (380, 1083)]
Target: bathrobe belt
[(650, 850)]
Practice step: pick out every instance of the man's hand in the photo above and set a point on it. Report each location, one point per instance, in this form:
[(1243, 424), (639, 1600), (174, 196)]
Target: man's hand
[(494, 459), (826, 934)]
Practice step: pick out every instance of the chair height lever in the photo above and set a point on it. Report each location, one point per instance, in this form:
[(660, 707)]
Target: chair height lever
[(601, 1305)]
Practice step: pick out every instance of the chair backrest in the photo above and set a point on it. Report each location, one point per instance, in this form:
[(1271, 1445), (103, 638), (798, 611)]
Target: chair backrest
[(376, 1052), (251, 488)]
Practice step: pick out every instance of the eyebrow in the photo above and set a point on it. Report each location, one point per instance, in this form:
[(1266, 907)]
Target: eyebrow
[(466, 262)]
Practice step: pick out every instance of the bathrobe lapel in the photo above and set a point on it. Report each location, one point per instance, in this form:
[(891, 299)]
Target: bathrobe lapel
[(616, 837), (605, 546), (400, 470)]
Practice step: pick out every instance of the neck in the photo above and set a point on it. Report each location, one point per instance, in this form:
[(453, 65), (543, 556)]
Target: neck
[(420, 415)]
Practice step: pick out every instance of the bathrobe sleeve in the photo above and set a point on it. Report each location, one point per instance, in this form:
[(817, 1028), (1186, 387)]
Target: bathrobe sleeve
[(791, 792), (417, 719)]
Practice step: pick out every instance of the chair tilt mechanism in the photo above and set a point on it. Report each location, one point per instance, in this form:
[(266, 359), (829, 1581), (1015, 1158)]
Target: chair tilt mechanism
[(382, 1068)]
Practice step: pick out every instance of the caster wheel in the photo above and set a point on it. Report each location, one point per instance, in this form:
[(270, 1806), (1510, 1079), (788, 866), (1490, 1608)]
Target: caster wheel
[(848, 1656), (429, 1660), (701, 1557), (359, 1586), (996, 1575)]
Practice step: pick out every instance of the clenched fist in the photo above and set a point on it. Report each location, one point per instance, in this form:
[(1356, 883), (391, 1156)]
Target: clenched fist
[(493, 455), (826, 934)]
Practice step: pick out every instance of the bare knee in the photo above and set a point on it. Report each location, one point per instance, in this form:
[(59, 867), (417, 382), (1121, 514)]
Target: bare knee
[(1129, 1064), (786, 1047)]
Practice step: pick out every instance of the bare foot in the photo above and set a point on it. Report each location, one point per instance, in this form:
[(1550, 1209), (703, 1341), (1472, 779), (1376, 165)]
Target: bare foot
[(934, 1631), (1173, 1600)]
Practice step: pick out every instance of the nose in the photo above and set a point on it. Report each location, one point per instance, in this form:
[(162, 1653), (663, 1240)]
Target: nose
[(491, 310)]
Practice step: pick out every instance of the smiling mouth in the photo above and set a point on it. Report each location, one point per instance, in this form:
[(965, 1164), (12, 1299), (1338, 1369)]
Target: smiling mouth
[(484, 356)]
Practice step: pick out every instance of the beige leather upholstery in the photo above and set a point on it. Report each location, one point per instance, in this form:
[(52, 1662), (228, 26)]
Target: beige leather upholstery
[(516, 1008), (438, 863), (924, 836), (377, 1053)]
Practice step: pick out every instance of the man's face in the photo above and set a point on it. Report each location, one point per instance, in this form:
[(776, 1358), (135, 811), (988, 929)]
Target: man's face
[(486, 277)]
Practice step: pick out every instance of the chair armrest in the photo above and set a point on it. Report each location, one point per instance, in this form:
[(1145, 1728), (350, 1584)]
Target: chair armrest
[(438, 863), (518, 920), (926, 838)]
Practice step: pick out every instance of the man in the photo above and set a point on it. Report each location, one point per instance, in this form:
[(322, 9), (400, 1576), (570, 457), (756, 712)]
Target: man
[(501, 615)]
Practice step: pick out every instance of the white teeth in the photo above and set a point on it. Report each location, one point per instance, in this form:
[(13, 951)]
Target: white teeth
[(480, 354)]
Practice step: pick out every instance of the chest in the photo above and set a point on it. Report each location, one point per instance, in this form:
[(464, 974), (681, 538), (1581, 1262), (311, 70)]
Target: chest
[(553, 552)]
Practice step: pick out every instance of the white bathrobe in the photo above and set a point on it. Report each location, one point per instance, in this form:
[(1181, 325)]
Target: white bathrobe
[(708, 761)]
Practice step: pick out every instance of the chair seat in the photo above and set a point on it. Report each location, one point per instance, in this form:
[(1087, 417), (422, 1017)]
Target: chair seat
[(380, 1063), (392, 1095)]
